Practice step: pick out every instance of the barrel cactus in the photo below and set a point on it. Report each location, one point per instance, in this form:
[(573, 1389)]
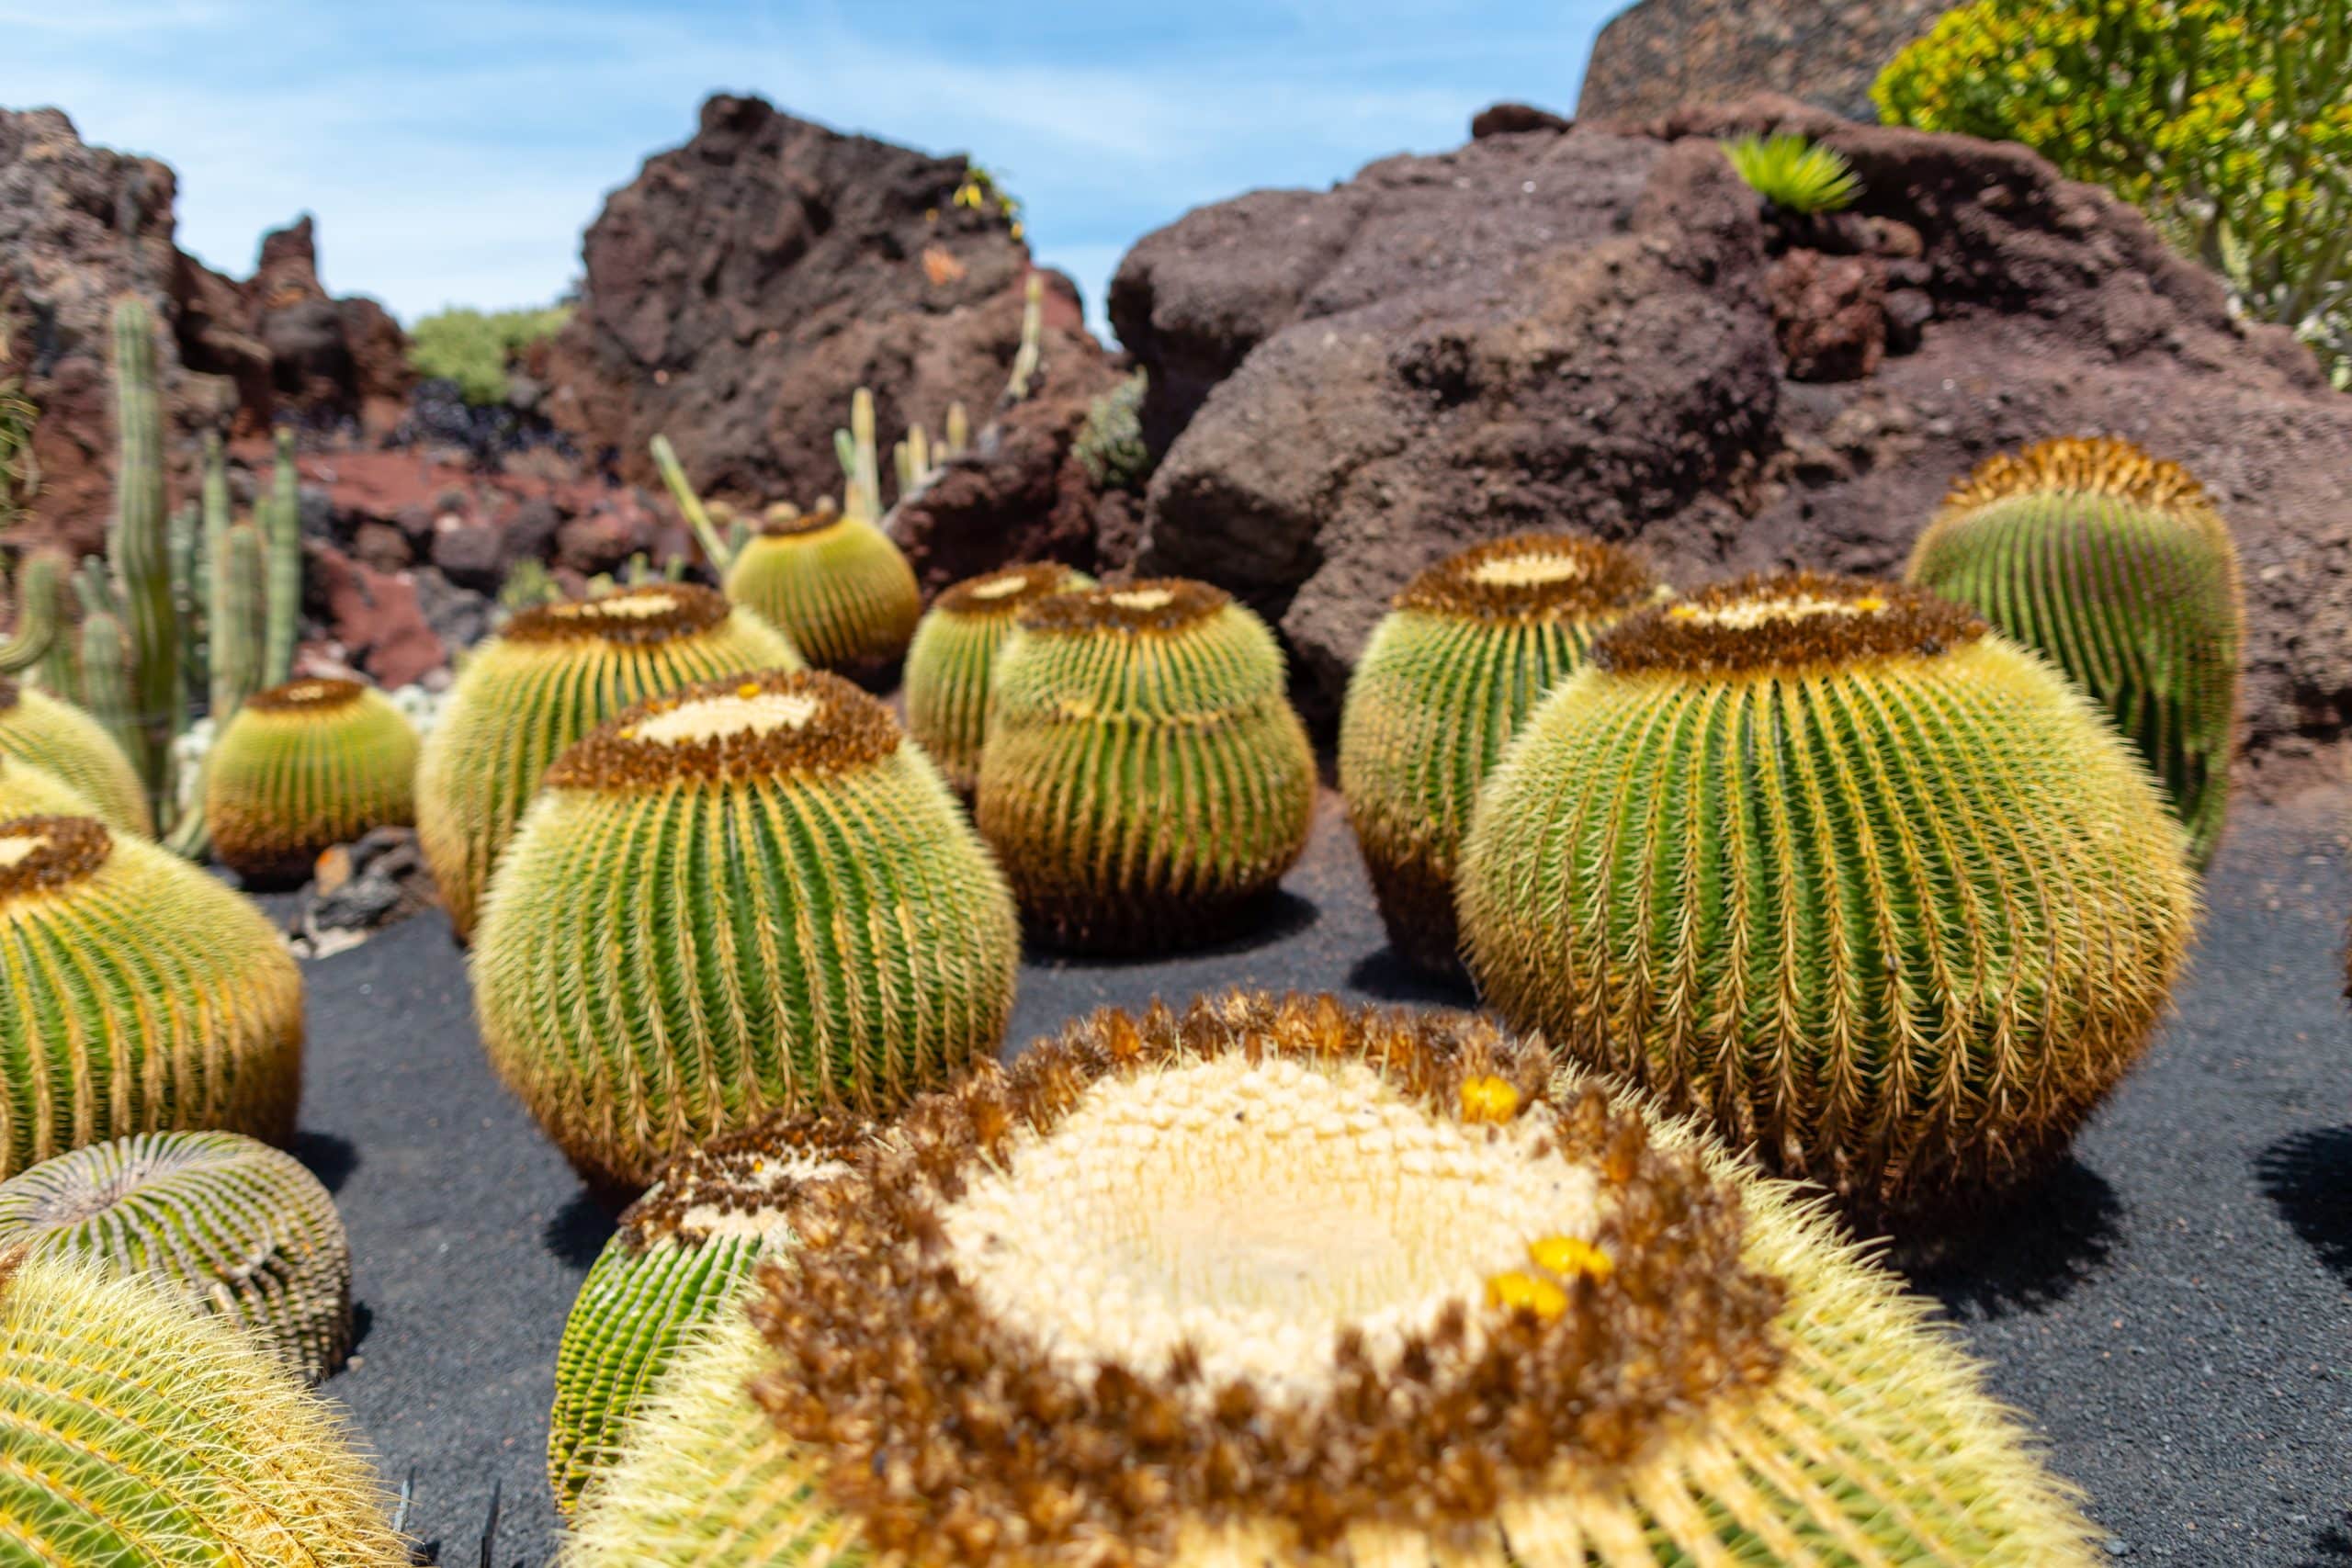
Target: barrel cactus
[(682, 1254), (1145, 779), (143, 995), (303, 766), (954, 655), (1288, 1281), (1826, 861), (1449, 676), (555, 673), (2117, 568), (74, 748), (239, 1228), (142, 1433), (837, 587), (746, 896), (26, 790)]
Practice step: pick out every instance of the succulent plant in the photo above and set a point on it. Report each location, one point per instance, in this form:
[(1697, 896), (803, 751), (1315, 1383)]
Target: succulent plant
[(555, 673), (836, 586), (1288, 1281), (29, 791), (142, 1433), (954, 656), (1449, 676), (143, 995), (1823, 859), (1145, 779), (2116, 567), (305, 765), (238, 1227), (746, 896), (1791, 172), (682, 1254), (74, 748)]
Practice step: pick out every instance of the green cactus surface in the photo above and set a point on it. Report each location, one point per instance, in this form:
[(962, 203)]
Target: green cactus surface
[(238, 1227), (1146, 780), (750, 895), (141, 547), (74, 748), (834, 584), (303, 766), (555, 673), (2117, 568), (954, 656), (1463, 657), (1826, 861), (141, 1435), (29, 791)]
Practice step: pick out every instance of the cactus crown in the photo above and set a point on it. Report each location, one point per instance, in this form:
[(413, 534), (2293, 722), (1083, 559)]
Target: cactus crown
[(654, 613), (785, 521), (1005, 591), (743, 1183), (1785, 621), (1532, 577), (41, 854), (768, 725), (311, 694), (2095, 466), (1153, 604)]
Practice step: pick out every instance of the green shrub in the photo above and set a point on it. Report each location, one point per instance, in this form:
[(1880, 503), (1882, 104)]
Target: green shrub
[(2229, 121), (473, 347), (1792, 172), (1110, 445)]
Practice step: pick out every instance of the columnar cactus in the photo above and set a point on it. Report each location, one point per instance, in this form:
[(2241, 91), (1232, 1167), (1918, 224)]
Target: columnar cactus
[(305, 765), (140, 1432), (1144, 778), (554, 674), (681, 1255), (71, 747), (1287, 1282), (239, 1228), (1826, 861), (954, 656), (835, 585), (747, 896), (143, 995), (1464, 654), (2116, 567), (29, 791)]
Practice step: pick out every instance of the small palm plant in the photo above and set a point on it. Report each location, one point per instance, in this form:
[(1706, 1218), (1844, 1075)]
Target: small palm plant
[(1793, 173)]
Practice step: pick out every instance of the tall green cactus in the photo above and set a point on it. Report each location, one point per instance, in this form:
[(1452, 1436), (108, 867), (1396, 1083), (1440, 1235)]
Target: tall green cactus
[(36, 626), (142, 552), (283, 514)]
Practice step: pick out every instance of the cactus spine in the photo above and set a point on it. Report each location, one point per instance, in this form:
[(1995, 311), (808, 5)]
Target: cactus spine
[(305, 765), (26, 790), (834, 584), (953, 655), (63, 741)]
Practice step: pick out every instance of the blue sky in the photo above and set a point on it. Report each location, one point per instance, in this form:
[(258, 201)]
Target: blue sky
[(453, 152)]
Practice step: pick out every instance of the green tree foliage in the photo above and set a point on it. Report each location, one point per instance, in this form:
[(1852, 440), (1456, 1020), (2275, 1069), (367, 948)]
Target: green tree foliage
[(473, 347)]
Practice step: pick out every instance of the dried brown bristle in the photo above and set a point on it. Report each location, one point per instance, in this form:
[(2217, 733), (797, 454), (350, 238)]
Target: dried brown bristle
[(313, 693), (1532, 576), (784, 521), (1003, 593), (2088, 466), (41, 854), (952, 1437), (755, 1173), (1785, 621), (741, 727), (1151, 604), (653, 613)]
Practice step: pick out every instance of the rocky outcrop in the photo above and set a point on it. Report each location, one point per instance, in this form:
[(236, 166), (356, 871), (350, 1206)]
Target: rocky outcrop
[(1598, 328), (1659, 54)]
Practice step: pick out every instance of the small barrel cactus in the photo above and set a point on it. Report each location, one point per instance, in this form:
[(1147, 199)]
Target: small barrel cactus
[(1826, 861), (954, 656), (1145, 779), (836, 585), (2117, 568), (303, 766), (555, 673), (74, 748), (142, 996), (1464, 654), (749, 896), (27, 790), (240, 1229), (1292, 1282), (138, 1432), (682, 1253)]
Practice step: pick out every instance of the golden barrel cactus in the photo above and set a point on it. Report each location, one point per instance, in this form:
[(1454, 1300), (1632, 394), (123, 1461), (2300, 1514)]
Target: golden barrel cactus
[(71, 747), (1825, 861), (26, 790), (141, 995), (747, 896), (303, 766), (1287, 1282), (834, 584), (555, 673), (954, 657), (1145, 780), (1449, 674)]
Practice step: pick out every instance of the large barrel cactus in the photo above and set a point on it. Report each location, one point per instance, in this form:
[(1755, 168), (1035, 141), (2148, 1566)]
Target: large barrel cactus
[(747, 896), (1145, 779), (837, 587), (1464, 655), (555, 673), (140, 1432), (2116, 567), (140, 995), (1287, 1282), (1825, 861), (303, 766), (954, 657), (26, 790), (64, 741), (239, 1228)]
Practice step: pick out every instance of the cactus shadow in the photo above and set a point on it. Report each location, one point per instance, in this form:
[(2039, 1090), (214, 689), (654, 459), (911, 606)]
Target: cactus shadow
[(2307, 1176), (330, 1158), (1270, 919), (2332, 1548), (363, 1318), (579, 1230), (1385, 977), (2027, 1253)]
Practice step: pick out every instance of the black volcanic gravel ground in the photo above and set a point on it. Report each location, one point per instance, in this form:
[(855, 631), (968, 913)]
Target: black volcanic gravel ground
[(2174, 1312)]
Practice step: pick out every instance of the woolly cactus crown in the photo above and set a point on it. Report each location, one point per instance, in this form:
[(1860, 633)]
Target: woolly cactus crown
[(771, 725), (640, 617), (1004, 591), (1785, 622), (1532, 576)]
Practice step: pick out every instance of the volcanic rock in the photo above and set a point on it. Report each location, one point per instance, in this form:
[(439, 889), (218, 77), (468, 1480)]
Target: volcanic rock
[(1659, 54)]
